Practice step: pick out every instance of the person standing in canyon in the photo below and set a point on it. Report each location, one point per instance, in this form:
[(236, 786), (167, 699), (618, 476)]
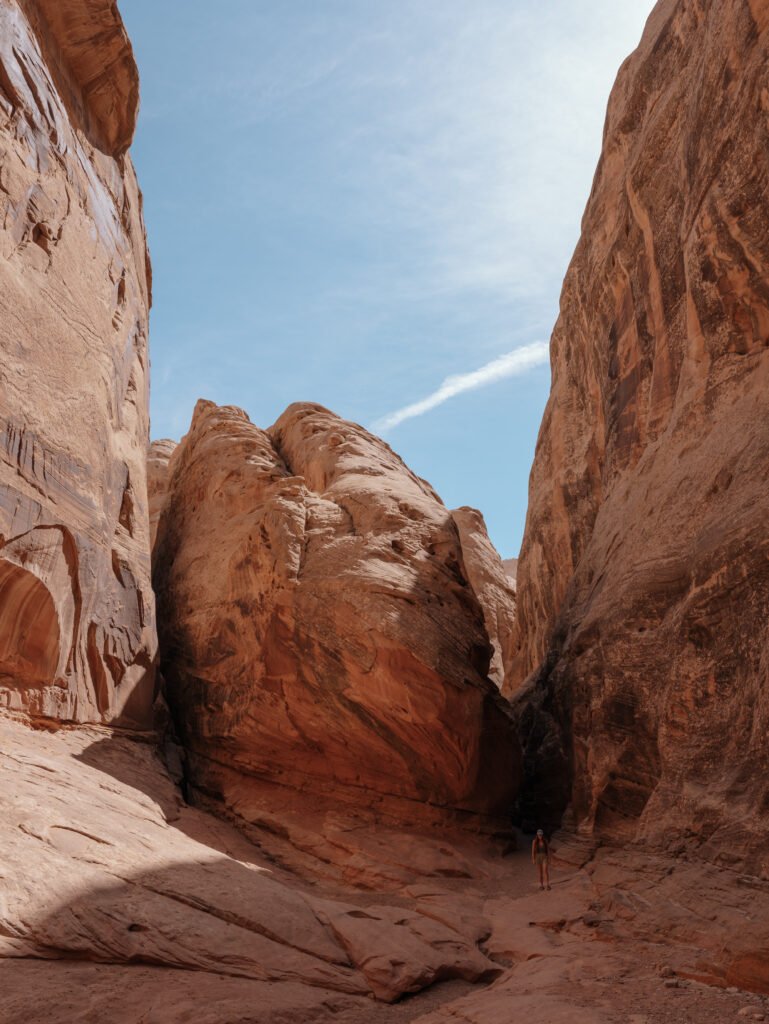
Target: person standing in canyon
[(540, 855)]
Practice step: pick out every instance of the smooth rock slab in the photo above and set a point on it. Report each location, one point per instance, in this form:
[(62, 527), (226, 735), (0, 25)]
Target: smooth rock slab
[(100, 860)]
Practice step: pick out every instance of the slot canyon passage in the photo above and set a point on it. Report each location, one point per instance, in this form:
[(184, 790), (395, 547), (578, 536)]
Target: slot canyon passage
[(272, 716)]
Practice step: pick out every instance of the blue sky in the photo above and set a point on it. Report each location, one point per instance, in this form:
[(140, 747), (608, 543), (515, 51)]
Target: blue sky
[(365, 203)]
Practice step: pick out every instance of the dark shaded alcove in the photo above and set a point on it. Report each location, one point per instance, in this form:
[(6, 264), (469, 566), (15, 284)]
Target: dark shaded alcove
[(29, 628)]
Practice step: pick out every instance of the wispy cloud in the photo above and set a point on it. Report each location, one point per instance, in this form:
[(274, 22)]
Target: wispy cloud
[(511, 364)]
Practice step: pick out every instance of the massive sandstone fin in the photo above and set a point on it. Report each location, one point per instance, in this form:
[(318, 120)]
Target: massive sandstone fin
[(318, 631)]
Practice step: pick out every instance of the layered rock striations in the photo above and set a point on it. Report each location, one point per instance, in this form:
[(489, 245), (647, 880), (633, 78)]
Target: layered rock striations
[(492, 585), (77, 633), (318, 630), (643, 585)]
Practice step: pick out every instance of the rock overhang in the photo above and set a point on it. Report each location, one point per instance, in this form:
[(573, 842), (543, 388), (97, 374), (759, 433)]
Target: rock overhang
[(95, 50)]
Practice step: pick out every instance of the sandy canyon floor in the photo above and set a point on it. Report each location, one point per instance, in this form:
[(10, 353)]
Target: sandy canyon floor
[(121, 903)]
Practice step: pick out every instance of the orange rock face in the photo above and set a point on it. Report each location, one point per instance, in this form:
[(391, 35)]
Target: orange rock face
[(643, 586), (97, 56), (317, 627), (77, 633), (493, 587)]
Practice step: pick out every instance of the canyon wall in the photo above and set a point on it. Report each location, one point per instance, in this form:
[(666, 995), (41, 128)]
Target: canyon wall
[(641, 672), (77, 632), (317, 627)]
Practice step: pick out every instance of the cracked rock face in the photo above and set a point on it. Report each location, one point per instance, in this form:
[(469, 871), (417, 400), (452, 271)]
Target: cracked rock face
[(77, 632), (318, 630), (643, 585)]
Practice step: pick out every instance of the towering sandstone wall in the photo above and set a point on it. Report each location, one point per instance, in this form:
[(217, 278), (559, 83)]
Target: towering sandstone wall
[(317, 627), (76, 605), (643, 584)]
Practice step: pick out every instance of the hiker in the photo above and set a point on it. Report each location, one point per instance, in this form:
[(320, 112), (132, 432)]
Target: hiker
[(540, 855)]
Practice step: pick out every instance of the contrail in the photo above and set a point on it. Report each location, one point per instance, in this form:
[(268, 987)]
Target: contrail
[(509, 365)]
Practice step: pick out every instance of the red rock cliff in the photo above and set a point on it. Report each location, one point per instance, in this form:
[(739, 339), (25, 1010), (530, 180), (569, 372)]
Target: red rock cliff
[(77, 632), (317, 628), (643, 584)]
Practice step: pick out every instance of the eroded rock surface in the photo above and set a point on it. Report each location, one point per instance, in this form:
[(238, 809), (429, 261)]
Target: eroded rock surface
[(103, 861), (121, 903), (77, 631), (98, 58), (643, 586), (318, 630), (492, 585)]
